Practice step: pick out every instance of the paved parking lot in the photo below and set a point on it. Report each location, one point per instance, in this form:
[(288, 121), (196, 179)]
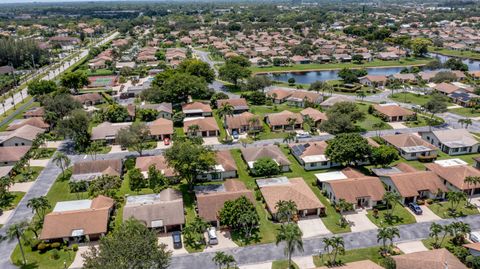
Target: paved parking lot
[(224, 241), (411, 247), (426, 216), (313, 227), (167, 240), (359, 221)]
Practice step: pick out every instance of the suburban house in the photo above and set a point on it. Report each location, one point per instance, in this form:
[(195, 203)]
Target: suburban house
[(107, 131), (464, 98), (411, 146), (206, 127), (78, 220), (239, 105), (281, 121), (473, 248), (161, 128), (279, 95), (453, 173), (162, 211), (314, 114), (197, 109), (251, 155), (410, 183), (311, 155), (210, 198), (164, 109), (242, 123), (435, 258), (90, 170), (302, 98), (89, 99), (404, 78), (34, 112), (446, 88), (224, 168), (33, 121), (23, 136), (452, 142), (143, 163), (10, 155), (352, 186), (374, 80), (295, 189), (392, 112), (335, 99)]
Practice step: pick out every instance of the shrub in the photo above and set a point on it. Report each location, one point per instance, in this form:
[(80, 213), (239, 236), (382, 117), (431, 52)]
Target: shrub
[(42, 247), (55, 245), (75, 247), (34, 244), (55, 255)]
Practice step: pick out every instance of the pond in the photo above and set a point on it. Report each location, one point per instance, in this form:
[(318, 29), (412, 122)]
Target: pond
[(308, 77)]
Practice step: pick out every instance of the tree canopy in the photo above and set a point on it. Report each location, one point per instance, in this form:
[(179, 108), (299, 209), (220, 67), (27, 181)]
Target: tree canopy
[(348, 149)]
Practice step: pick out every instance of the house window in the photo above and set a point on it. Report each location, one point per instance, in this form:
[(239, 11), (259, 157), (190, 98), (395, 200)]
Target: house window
[(313, 164), (464, 148), (413, 154), (455, 150)]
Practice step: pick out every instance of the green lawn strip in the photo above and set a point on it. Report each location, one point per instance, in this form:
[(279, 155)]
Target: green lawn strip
[(370, 120), (179, 131), (223, 133), (464, 111), (441, 209), (36, 171), (19, 115), (99, 72), (410, 98), (149, 145), (404, 217), (374, 63), (332, 218), (420, 122), (17, 197), (283, 264), (268, 229), (428, 243), (456, 53), (371, 253)]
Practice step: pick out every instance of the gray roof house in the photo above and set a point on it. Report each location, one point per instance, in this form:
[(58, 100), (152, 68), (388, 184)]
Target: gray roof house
[(452, 142)]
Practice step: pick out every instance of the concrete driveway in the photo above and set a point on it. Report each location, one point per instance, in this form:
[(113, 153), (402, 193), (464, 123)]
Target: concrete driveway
[(411, 246), (167, 240), (426, 216), (210, 141), (304, 262), (313, 227), (476, 201), (359, 221), (265, 265), (39, 162), (5, 215), (224, 241), (397, 125), (21, 186)]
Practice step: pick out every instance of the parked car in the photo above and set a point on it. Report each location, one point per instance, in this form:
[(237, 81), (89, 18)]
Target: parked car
[(415, 208), (475, 237), (303, 135), (177, 240), (166, 141), (212, 236), (235, 134)]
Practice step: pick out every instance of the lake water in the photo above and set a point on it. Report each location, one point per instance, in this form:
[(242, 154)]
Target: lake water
[(308, 77)]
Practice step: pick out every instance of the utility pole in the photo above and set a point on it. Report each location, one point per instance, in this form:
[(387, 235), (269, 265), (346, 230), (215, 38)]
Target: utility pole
[(33, 62)]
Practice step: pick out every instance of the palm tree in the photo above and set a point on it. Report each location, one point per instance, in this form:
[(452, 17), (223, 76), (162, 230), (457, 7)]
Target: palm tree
[(292, 236), (292, 122), (343, 206), (471, 181), (286, 210), (435, 230), (61, 160), (219, 259), (459, 230), (378, 126), (310, 123), (455, 198), (193, 129), (334, 246), (387, 233), (391, 199), (16, 231), (361, 95), (289, 137), (253, 122), (461, 122), (39, 205), (225, 110), (467, 122)]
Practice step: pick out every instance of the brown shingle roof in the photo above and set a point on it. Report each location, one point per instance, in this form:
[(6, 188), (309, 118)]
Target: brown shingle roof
[(297, 190), (316, 115), (455, 174), (13, 154), (205, 124), (237, 121), (159, 161), (88, 97), (431, 259), (196, 106), (210, 203), (161, 126), (352, 188), (98, 166), (92, 221), (239, 103), (33, 121), (406, 140), (393, 110), (225, 158), (409, 184), (273, 152), (281, 93), (281, 118)]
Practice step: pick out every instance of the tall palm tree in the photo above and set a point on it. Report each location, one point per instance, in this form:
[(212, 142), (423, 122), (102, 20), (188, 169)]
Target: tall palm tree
[(311, 124), (334, 246), (292, 236), (286, 210), (343, 206), (225, 110), (387, 234), (468, 122), (455, 198), (16, 231), (435, 230), (219, 259), (61, 160), (39, 205), (471, 181), (289, 137), (459, 230), (391, 199), (253, 122), (378, 126)]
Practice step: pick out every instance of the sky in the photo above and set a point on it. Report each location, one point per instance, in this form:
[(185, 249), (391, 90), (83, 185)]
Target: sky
[(50, 1)]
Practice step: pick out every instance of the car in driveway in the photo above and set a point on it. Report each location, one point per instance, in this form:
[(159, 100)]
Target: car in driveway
[(475, 237), (177, 239), (212, 236), (303, 135), (235, 134), (415, 208)]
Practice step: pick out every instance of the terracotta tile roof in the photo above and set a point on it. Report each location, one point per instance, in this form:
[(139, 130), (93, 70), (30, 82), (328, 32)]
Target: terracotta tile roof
[(159, 161), (393, 110), (312, 148), (281, 118), (13, 154), (205, 124), (376, 78), (88, 97), (210, 203), (313, 113), (196, 106), (225, 158), (409, 184), (352, 188), (98, 166), (238, 103), (446, 87), (296, 190), (474, 246), (431, 259), (35, 112), (161, 126), (281, 93), (455, 174), (350, 172), (365, 264), (407, 140), (237, 121), (166, 206), (254, 153), (92, 221)]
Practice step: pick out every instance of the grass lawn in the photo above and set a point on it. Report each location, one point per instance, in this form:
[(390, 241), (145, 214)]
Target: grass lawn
[(19, 115), (457, 53), (17, 196), (372, 253), (421, 121), (263, 110), (149, 145), (410, 98), (267, 230), (402, 214), (283, 264), (179, 131), (36, 171), (429, 241), (332, 218), (223, 133), (370, 119), (44, 153), (374, 63), (464, 111), (441, 209)]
